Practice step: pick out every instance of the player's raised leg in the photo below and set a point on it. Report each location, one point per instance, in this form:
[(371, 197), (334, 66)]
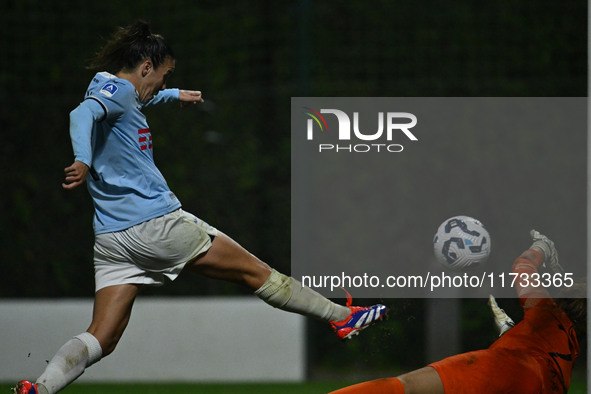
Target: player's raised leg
[(227, 260), (112, 309)]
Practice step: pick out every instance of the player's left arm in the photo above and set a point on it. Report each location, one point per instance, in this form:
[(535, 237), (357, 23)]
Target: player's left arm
[(185, 97), (190, 97)]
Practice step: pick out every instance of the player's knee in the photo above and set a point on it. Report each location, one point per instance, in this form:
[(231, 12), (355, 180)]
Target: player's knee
[(109, 348)]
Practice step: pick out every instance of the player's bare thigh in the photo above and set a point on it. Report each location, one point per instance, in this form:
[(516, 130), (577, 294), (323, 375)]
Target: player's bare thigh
[(228, 260), (423, 380)]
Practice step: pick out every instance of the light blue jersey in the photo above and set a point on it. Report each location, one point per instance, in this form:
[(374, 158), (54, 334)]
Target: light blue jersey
[(110, 134)]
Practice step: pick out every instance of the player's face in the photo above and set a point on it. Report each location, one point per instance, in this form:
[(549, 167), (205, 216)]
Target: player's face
[(155, 80)]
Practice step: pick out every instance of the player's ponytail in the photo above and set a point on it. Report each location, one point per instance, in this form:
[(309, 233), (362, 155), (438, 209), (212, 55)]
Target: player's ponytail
[(128, 47)]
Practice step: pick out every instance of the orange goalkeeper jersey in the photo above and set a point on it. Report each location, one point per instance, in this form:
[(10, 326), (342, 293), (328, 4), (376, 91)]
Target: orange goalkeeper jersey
[(535, 356)]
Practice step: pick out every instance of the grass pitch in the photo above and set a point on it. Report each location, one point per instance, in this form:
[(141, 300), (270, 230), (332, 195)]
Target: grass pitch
[(577, 387), (213, 388)]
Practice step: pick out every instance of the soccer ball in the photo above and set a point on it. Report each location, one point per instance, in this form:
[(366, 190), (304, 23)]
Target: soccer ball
[(461, 242)]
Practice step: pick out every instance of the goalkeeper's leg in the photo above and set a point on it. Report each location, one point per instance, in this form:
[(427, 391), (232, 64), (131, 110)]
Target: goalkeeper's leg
[(423, 380), (379, 386)]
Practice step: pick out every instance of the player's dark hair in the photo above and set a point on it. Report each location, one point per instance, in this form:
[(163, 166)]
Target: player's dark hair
[(128, 47)]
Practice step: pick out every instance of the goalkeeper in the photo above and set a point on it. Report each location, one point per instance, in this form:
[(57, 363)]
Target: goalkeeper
[(535, 356)]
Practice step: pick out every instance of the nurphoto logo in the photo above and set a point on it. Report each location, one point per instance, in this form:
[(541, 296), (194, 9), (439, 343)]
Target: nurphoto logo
[(390, 125)]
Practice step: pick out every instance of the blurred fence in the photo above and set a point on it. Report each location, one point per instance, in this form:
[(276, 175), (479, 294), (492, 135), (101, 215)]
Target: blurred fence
[(210, 339)]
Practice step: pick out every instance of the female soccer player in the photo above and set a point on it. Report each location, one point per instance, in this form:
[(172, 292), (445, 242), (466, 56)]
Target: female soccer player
[(142, 236), (535, 356)]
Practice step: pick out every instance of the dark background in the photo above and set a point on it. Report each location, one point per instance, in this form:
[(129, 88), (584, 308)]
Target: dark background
[(228, 160)]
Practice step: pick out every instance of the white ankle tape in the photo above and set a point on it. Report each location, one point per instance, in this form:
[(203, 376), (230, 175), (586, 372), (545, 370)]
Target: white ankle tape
[(273, 283), (277, 290), (95, 352)]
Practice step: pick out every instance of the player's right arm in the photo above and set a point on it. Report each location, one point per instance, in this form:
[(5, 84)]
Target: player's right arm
[(82, 120), (75, 175)]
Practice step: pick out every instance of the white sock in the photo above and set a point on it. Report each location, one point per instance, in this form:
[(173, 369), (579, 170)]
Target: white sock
[(69, 363), (290, 295)]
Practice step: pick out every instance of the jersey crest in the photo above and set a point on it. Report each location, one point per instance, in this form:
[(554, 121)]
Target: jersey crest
[(109, 89)]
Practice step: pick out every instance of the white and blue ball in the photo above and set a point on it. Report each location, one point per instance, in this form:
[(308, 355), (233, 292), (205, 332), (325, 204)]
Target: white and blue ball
[(461, 243)]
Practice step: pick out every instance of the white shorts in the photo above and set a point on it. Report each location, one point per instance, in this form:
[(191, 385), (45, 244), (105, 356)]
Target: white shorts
[(151, 252)]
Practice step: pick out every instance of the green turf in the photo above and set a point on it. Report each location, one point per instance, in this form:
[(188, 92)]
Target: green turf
[(239, 388), (577, 387)]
